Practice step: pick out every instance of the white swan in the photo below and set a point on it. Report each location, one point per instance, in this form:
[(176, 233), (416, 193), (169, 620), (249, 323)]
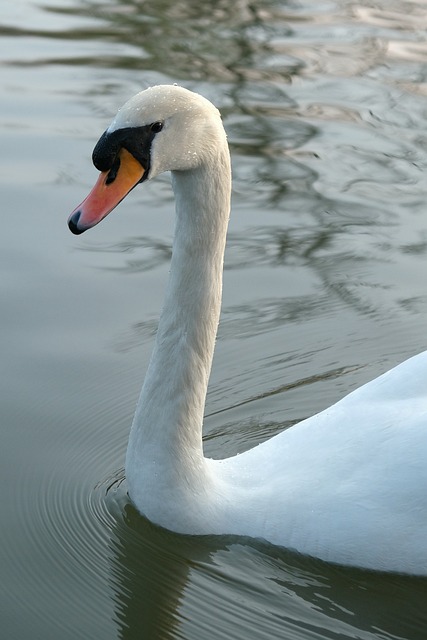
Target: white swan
[(348, 485)]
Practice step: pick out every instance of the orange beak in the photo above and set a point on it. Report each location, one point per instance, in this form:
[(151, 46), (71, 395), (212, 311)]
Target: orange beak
[(106, 194)]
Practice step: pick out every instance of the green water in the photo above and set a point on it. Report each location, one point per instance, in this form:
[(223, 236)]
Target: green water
[(325, 106)]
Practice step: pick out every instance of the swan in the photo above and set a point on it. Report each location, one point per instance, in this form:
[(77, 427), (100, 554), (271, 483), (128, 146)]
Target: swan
[(348, 485)]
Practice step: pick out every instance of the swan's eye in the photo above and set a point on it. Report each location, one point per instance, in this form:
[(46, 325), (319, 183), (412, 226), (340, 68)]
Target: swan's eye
[(156, 127)]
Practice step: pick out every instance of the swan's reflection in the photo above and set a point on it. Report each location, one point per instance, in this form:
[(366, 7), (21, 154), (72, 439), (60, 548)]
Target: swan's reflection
[(150, 571), (170, 586)]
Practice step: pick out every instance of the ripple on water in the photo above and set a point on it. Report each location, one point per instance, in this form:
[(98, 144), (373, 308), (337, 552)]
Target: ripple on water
[(88, 536), (324, 104), (59, 516)]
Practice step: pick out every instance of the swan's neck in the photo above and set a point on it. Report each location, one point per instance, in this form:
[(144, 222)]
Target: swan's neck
[(165, 445)]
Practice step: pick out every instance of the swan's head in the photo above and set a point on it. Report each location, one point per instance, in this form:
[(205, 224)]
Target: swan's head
[(164, 128)]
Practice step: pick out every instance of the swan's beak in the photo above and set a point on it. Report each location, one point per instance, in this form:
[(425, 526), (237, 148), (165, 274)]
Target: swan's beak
[(109, 190)]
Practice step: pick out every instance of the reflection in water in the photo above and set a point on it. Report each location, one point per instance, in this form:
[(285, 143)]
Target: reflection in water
[(148, 579), (160, 579)]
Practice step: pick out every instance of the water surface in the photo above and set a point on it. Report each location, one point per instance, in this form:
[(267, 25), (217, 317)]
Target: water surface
[(325, 106)]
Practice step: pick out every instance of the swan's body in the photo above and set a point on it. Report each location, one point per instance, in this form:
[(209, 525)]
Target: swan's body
[(348, 485)]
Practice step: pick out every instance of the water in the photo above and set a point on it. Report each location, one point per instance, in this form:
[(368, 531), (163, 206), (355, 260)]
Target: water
[(325, 107)]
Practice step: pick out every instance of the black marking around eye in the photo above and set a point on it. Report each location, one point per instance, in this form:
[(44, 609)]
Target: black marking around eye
[(136, 140)]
